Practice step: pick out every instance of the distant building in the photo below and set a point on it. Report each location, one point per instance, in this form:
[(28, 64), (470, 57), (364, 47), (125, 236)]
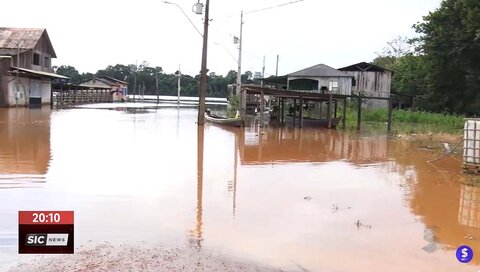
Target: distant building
[(119, 88), (371, 80), (25, 66)]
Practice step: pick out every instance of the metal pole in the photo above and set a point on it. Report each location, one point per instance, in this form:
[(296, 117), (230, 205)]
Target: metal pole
[(179, 88), (276, 70), (135, 82), (156, 84), (203, 77), (243, 103), (17, 89), (263, 68)]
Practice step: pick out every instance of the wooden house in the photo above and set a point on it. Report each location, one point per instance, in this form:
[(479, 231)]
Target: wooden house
[(25, 66), (119, 88), (371, 80), (320, 78)]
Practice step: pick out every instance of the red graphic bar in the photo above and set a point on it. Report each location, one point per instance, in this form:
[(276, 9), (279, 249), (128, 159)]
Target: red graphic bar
[(45, 217)]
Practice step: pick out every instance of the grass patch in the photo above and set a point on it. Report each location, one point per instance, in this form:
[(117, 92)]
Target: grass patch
[(409, 121)]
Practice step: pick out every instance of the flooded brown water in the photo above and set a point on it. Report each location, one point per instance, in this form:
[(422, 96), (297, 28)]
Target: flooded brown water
[(309, 200)]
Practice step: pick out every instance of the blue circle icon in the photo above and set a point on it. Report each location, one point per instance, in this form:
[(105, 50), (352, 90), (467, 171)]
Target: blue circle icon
[(464, 254)]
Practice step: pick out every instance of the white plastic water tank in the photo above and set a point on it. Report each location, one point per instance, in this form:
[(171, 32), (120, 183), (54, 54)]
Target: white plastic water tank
[(471, 142)]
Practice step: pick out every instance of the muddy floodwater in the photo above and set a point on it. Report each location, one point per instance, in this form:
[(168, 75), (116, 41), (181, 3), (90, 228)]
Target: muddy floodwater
[(280, 198)]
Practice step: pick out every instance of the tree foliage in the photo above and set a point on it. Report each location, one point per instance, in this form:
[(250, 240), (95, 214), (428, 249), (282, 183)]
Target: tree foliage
[(450, 44)]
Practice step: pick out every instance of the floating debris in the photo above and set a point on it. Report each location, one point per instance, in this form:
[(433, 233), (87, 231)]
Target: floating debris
[(308, 198), (336, 208), (469, 237), (361, 225)]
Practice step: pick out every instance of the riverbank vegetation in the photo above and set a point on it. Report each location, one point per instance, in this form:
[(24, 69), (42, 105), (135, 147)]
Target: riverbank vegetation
[(409, 121), (145, 77), (439, 70)]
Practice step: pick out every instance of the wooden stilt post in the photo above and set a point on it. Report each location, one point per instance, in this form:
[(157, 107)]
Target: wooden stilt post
[(329, 111), (321, 106), (390, 108), (283, 110), (359, 112), (344, 117), (301, 111), (51, 98), (294, 111), (335, 109)]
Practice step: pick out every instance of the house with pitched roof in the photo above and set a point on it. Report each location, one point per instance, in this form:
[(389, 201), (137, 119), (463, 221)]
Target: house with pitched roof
[(119, 88), (320, 78), (25, 67)]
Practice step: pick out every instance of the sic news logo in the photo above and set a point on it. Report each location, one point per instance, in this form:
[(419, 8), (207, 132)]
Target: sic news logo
[(464, 254), (44, 239)]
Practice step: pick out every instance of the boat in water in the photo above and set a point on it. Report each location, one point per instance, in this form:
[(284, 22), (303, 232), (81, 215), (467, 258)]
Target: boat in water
[(224, 121), (311, 122)]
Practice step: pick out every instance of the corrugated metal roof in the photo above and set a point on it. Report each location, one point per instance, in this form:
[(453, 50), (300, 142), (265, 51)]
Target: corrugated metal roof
[(39, 73), (319, 70), (363, 66), (115, 80), (105, 79), (22, 38)]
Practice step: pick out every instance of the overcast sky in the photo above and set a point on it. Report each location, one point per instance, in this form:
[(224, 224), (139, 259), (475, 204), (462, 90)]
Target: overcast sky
[(91, 34)]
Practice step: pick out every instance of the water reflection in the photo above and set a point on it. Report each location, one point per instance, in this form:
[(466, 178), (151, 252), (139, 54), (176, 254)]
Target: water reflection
[(259, 146), (436, 194), (24, 146), (196, 235), (253, 203), (449, 210)]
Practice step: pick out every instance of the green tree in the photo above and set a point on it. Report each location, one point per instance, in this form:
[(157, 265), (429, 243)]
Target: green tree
[(68, 71), (450, 42)]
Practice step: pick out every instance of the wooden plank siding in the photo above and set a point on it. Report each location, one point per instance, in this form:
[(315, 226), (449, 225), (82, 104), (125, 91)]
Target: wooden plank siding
[(374, 84)]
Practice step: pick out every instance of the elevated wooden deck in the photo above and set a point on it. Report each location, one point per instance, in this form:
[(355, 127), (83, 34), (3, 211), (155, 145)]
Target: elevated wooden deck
[(330, 97)]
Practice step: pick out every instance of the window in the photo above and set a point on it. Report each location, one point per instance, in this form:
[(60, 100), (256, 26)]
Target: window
[(36, 59), (46, 62), (333, 86)]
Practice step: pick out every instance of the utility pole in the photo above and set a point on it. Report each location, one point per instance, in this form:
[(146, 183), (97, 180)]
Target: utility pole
[(263, 68), (18, 72), (135, 81), (276, 70), (179, 88), (203, 77), (156, 84), (243, 96)]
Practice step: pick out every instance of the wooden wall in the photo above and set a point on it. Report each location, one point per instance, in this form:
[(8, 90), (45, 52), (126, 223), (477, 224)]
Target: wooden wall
[(373, 83)]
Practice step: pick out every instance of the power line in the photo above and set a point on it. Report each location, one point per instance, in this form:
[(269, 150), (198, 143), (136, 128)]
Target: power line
[(273, 7), (262, 9)]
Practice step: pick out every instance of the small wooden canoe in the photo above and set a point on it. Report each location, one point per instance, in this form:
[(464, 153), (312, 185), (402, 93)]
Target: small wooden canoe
[(231, 122), (309, 122)]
